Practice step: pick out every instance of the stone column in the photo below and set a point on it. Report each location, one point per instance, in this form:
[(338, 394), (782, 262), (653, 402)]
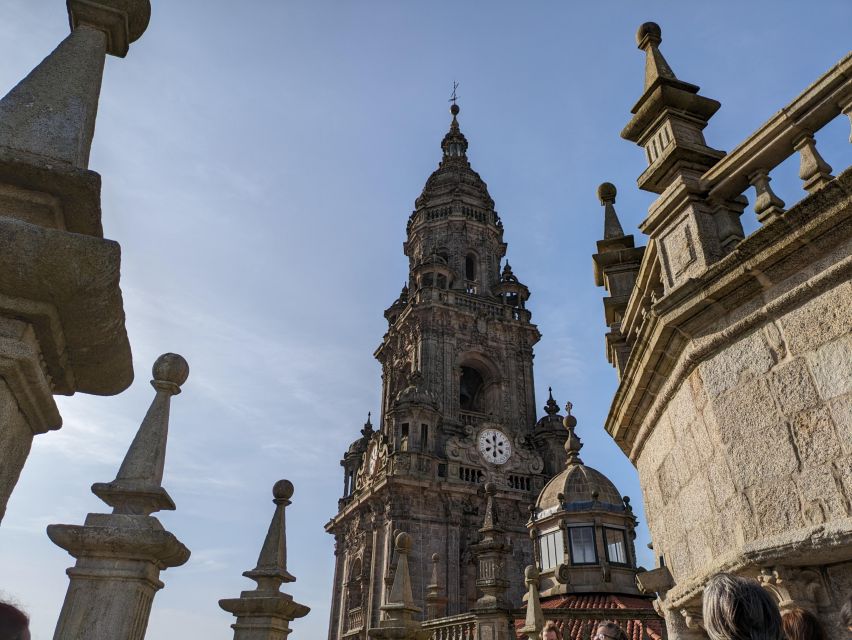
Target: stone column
[(398, 620), (264, 613), (120, 555), (61, 314)]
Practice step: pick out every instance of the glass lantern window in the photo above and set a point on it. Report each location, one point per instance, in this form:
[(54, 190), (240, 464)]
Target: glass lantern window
[(583, 545), (551, 550), (616, 548)]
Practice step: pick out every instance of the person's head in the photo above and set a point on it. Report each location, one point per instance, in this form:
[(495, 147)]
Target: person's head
[(14, 624), (846, 614), (551, 632), (739, 609), (608, 630), (801, 624)]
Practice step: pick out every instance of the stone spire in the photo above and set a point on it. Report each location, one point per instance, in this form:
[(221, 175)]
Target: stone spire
[(367, 429), (137, 489), (120, 555), (491, 552), (612, 225), (436, 602), (668, 119), (454, 143), (398, 622), (551, 408), (616, 267), (534, 621), (264, 613), (51, 113), (573, 443)]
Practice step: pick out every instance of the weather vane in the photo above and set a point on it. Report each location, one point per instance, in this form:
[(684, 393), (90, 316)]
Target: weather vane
[(454, 97)]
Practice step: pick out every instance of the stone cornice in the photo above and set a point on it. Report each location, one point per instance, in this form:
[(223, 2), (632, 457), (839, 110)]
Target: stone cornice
[(657, 365)]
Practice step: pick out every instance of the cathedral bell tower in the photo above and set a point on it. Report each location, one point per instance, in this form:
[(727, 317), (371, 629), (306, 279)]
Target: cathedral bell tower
[(458, 410)]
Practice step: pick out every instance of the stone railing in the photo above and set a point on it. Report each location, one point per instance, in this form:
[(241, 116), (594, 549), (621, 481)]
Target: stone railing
[(459, 627), (355, 619), (790, 130), (471, 418)]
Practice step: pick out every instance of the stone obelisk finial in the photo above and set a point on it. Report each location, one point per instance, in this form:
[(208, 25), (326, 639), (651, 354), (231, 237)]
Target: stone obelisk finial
[(534, 622), (436, 602), (492, 609), (51, 113), (491, 552), (137, 489), (398, 621), (264, 613), (120, 555)]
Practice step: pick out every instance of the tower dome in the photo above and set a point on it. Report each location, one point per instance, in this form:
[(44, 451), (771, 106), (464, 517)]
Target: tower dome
[(583, 527)]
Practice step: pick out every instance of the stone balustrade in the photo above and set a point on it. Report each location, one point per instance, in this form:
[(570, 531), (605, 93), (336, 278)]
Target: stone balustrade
[(459, 627), (789, 131)]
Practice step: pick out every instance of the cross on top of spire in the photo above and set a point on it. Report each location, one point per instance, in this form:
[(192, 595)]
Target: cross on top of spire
[(454, 109)]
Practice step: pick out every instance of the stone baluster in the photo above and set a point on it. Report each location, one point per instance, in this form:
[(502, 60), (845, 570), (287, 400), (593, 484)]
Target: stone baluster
[(813, 170), (767, 205), (847, 111), (264, 613), (534, 622), (398, 620), (120, 555), (61, 318)]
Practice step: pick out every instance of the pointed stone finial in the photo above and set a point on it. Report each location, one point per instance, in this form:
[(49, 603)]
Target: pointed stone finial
[(400, 598), (551, 408), (534, 621), (264, 612), (573, 443), (367, 429), (137, 489), (50, 115), (436, 602), (490, 523), (271, 570), (454, 143), (648, 38), (612, 225)]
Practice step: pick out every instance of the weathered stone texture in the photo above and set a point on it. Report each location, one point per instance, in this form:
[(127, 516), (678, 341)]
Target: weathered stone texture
[(771, 446), (16, 440)]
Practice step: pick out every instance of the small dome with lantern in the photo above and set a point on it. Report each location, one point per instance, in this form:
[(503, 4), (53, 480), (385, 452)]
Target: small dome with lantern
[(583, 528)]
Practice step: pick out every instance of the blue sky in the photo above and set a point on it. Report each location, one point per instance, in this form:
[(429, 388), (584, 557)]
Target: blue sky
[(259, 162)]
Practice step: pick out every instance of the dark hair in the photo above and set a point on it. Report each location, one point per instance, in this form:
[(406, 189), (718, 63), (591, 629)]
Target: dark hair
[(739, 609), (801, 624), (846, 612), (13, 622), (612, 628)]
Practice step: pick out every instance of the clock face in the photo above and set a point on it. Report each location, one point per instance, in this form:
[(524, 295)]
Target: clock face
[(374, 457), (494, 446)]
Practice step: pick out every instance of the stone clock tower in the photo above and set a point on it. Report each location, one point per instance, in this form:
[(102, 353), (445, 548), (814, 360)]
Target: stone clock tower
[(458, 410)]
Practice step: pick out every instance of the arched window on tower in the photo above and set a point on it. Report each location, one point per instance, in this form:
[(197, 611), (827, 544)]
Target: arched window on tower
[(470, 267), (354, 597), (470, 390)]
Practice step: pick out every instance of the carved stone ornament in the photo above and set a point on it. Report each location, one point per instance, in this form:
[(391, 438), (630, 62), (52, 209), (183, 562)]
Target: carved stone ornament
[(794, 587)]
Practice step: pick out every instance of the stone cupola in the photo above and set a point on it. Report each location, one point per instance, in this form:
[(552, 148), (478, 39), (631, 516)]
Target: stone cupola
[(583, 529)]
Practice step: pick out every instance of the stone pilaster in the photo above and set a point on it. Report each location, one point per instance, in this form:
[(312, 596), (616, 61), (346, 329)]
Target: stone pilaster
[(264, 613), (120, 555), (61, 314)]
